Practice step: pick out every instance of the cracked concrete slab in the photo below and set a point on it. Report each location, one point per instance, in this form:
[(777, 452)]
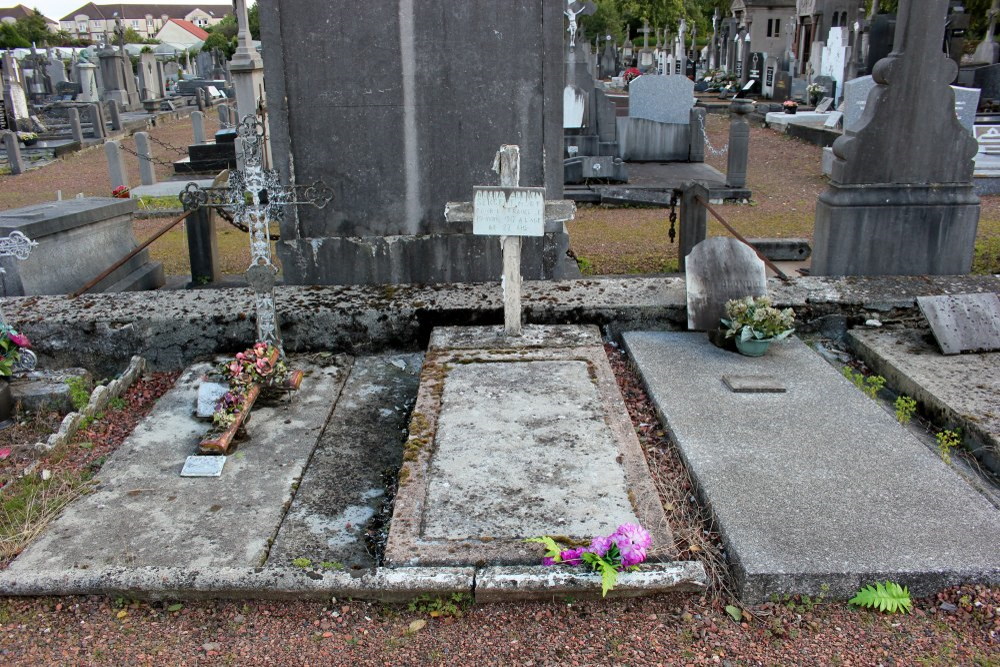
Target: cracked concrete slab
[(143, 514), (343, 488), (517, 439), (816, 486)]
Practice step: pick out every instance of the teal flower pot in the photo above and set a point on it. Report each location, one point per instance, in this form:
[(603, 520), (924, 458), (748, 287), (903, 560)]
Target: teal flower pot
[(755, 347)]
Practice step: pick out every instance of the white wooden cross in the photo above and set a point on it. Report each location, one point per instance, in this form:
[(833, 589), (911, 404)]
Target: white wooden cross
[(18, 245), (509, 212)]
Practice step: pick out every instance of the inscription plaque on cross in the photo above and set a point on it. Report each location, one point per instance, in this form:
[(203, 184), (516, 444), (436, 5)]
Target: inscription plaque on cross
[(510, 212), (19, 246), (256, 198)]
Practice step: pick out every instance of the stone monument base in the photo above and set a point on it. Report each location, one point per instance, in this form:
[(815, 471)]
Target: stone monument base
[(431, 258), (895, 229)]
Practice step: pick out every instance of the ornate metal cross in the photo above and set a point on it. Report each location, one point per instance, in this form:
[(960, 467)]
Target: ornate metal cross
[(256, 197), (19, 246)]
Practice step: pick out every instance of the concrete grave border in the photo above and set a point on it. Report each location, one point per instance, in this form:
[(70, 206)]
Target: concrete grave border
[(463, 345)]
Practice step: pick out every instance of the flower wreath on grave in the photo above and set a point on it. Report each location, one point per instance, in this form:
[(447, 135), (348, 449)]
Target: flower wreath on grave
[(756, 323), (27, 138), (259, 365), (631, 74), (121, 192), (621, 551), (11, 344)]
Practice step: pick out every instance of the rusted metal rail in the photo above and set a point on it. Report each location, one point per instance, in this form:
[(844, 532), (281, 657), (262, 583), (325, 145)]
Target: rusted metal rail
[(767, 262)]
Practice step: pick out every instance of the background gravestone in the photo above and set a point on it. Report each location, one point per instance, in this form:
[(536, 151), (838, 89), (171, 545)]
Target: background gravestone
[(900, 199), (716, 270), (399, 135), (665, 99)]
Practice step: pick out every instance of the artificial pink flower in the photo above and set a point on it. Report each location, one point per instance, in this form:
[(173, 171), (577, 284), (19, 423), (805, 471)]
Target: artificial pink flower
[(600, 545), (19, 339), (632, 540), (548, 561), (572, 556)]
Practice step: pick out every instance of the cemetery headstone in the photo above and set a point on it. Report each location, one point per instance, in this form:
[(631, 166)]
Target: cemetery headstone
[(824, 105), (17, 246), (664, 99), (719, 269), (14, 160), (834, 120), (922, 197), (966, 103), (988, 138), (856, 98), (963, 322)]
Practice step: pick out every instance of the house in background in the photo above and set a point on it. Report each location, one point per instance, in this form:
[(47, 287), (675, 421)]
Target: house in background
[(12, 14), (181, 33), (91, 21)]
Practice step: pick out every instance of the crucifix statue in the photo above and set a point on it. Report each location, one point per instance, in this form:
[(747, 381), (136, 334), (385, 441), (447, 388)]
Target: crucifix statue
[(19, 246), (256, 198), (574, 9)]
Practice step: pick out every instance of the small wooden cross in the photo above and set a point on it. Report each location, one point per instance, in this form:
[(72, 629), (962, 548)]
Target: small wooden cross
[(510, 212)]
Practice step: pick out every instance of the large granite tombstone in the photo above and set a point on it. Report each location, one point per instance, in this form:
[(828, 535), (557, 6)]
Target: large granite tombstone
[(716, 270), (987, 80), (150, 82), (660, 126), (900, 199), (665, 99), (77, 240), (400, 135)]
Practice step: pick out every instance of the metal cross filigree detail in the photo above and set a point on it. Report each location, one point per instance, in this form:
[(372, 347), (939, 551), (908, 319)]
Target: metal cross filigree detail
[(256, 197), (19, 246)]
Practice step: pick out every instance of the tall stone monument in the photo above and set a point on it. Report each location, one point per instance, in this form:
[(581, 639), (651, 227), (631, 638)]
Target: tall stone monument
[(398, 136), (900, 199)]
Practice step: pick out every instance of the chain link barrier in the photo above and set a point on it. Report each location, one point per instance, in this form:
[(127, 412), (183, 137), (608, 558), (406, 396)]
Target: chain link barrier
[(708, 142)]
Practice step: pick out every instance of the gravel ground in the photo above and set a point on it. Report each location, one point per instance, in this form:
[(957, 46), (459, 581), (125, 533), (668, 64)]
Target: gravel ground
[(959, 626)]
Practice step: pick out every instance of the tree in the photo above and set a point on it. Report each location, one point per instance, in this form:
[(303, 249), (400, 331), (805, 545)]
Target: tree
[(11, 38), (253, 14), (607, 20), (35, 29), (217, 40)]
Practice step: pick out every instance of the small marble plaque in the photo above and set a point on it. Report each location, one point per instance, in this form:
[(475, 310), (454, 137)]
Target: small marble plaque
[(824, 105), (754, 384), (203, 466), (509, 211), (209, 394)]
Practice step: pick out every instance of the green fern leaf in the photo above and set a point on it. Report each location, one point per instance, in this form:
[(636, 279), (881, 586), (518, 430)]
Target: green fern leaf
[(609, 577), (889, 597), (552, 549)]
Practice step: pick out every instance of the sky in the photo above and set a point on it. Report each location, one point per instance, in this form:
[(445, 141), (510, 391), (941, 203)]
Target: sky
[(56, 9)]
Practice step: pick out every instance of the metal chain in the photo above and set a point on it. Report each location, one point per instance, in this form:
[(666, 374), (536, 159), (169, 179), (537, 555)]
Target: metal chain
[(162, 163), (164, 144), (673, 217), (708, 142), (231, 219)]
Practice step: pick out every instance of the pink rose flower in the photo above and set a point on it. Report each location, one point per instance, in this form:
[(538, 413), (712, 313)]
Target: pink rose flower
[(19, 339)]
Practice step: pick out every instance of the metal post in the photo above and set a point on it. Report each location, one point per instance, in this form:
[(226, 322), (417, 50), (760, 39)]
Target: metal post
[(694, 221)]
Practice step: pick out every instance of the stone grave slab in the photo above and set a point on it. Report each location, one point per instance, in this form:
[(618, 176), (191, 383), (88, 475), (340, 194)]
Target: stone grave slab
[(343, 488), (834, 119), (513, 438), (960, 389), (664, 99), (818, 486), (142, 513), (719, 269), (963, 322)]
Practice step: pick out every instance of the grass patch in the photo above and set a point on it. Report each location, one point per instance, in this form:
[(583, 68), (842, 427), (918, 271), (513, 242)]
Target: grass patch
[(29, 504), (165, 203), (987, 257)]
